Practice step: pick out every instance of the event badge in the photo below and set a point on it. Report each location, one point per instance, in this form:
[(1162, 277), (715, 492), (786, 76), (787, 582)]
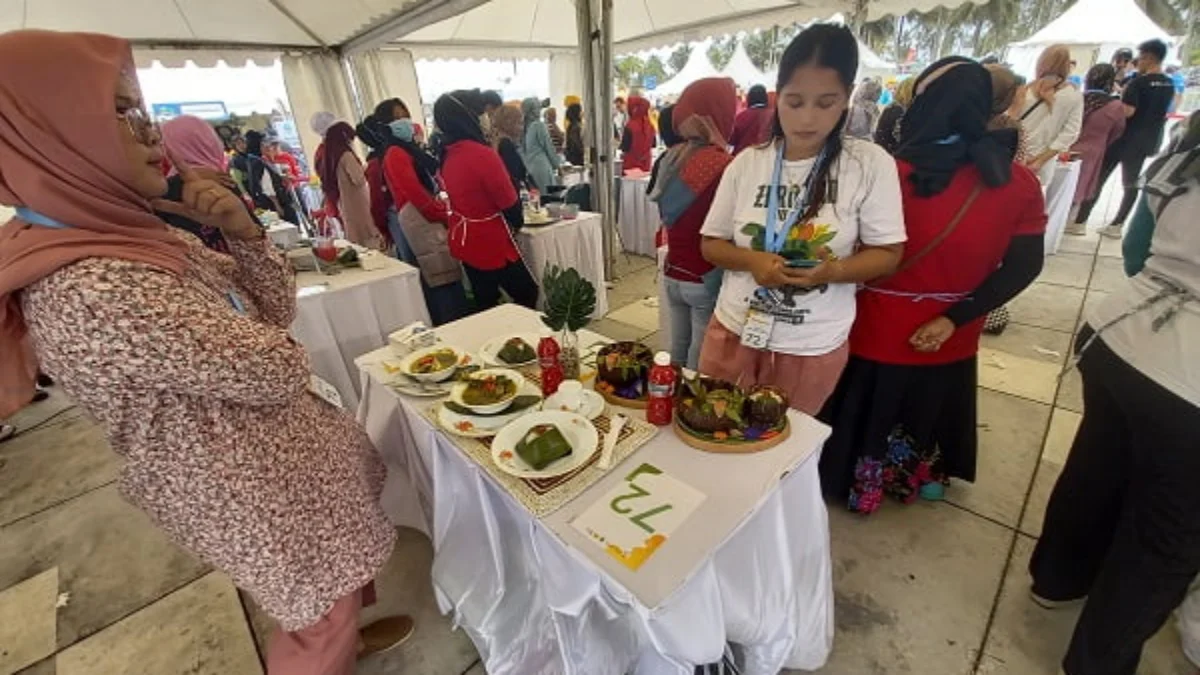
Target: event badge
[(638, 515), (756, 332), (325, 391)]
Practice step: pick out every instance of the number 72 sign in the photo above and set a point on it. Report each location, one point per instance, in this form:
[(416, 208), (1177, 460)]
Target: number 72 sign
[(638, 515)]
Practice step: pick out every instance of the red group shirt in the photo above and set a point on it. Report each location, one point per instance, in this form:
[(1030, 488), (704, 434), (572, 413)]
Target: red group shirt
[(959, 264), (406, 187), (480, 189)]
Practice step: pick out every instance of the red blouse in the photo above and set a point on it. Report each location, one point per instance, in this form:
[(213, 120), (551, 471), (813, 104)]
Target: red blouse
[(405, 187), (958, 265), (684, 260), (480, 189), (381, 201)]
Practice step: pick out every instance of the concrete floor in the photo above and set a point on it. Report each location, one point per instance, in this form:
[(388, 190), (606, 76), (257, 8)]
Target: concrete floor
[(88, 585)]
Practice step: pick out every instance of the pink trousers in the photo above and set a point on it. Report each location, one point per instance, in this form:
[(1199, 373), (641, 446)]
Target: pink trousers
[(328, 647), (808, 380)]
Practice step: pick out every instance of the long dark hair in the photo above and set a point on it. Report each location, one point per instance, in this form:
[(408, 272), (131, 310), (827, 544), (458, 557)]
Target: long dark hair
[(829, 46), (384, 111)]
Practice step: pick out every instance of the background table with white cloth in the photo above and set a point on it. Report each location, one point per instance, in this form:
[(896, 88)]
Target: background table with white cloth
[(637, 216), (751, 566), (340, 317), (1059, 195), (577, 243)]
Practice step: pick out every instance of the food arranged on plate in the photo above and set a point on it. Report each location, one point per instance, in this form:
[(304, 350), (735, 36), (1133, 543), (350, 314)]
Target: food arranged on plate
[(487, 391), (517, 352), (432, 364), (542, 445), (622, 370), (545, 444), (719, 416), (539, 217)]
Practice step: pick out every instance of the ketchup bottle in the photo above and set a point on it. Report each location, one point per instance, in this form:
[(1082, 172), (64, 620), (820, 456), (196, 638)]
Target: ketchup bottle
[(552, 372), (661, 391)]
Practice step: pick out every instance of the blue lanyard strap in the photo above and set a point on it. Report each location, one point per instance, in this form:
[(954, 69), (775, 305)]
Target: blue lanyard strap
[(774, 236), (34, 218)]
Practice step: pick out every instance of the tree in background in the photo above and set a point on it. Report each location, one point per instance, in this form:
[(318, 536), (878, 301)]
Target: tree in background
[(721, 51), (679, 57), (655, 68)]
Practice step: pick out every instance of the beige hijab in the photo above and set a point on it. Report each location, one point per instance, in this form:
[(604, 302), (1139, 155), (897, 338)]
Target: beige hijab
[(61, 155)]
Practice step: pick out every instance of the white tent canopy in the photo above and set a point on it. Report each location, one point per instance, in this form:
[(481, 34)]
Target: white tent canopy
[(1093, 29), (544, 25), (297, 23), (697, 67), (742, 70)]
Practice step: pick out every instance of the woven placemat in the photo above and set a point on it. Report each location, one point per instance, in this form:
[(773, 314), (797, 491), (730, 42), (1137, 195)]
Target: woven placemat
[(544, 496)]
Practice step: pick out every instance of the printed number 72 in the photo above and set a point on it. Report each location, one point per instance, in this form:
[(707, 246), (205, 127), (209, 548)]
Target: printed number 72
[(639, 519)]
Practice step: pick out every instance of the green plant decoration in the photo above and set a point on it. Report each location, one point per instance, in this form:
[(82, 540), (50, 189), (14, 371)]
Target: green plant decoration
[(570, 299)]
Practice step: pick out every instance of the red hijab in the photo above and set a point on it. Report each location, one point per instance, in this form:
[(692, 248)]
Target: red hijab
[(338, 140), (61, 155), (641, 134)]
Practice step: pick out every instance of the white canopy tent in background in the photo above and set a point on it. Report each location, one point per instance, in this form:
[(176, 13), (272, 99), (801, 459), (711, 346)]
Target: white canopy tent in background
[(698, 66), (1093, 30), (743, 72)]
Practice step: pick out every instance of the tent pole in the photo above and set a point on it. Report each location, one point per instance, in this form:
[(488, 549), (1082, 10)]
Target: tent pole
[(352, 82)]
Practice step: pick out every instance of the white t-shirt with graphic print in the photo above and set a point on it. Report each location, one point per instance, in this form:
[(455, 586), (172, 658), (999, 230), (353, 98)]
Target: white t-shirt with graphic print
[(865, 208)]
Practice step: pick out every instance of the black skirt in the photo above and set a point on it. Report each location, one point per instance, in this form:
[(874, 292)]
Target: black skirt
[(935, 405)]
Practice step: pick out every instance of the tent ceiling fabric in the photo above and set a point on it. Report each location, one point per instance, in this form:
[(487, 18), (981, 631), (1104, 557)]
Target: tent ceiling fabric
[(299, 23), (636, 25)]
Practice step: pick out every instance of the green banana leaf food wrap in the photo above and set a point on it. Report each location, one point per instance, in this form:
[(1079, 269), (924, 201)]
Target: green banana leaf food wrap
[(543, 445)]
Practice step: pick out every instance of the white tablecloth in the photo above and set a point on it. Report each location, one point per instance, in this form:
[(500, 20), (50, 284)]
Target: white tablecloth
[(354, 315), (751, 566), (638, 216), (1059, 195), (575, 243)]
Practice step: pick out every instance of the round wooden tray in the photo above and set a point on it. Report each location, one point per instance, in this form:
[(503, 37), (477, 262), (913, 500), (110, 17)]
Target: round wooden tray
[(733, 447), (635, 403)]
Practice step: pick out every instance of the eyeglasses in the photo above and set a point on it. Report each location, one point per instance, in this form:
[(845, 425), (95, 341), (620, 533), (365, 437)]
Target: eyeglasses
[(139, 123)]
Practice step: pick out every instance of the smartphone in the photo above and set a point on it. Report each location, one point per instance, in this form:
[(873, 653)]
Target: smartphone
[(803, 264)]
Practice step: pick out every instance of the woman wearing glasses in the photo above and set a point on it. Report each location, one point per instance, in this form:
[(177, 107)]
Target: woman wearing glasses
[(182, 353)]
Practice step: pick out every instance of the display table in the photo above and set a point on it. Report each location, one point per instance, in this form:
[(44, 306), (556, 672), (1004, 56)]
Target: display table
[(750, 566), (1059, 195), (637, 217), (577, 243), (342, 316)]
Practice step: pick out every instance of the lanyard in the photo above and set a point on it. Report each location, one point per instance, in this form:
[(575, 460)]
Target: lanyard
[(34, 218), (775, 235)]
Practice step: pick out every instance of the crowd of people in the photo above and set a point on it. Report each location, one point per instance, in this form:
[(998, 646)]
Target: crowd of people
[(844, 252)]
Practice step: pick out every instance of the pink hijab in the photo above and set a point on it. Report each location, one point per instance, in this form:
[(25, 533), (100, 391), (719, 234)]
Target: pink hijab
[(194, 142), (61, 155)]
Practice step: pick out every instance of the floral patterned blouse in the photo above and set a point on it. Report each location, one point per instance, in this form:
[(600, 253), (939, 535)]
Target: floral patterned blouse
[(205, 395)]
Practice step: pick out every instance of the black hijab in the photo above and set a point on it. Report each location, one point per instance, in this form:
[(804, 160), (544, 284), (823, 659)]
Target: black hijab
[(756, 97), (457, 118), (373, 134), (666, 127), (945, 127)]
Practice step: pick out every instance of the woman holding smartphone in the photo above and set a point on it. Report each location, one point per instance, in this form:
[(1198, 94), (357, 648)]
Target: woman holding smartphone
[(796, 224)]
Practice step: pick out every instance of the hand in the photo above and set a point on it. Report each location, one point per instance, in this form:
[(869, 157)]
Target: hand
[(769, 270), (1036, 163), (932, 335), (827, 272), (208, 201)]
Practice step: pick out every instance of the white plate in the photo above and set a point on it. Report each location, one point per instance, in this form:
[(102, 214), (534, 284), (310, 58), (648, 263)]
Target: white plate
[(456, 392), (591, 406), (476, 426), (392, 374), (493, 347), (578, 431), (444, 374)]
